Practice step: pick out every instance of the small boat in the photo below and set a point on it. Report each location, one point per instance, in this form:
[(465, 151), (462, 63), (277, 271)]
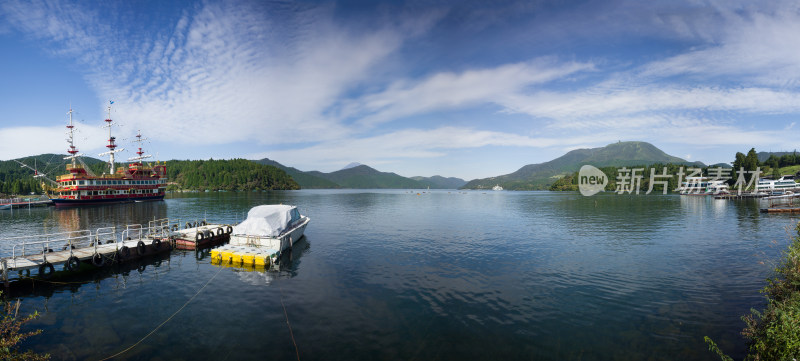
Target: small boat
[(497, 187), (270, 230), (5, 206)]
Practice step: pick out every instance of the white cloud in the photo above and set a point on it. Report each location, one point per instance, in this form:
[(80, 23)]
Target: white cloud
[(758, 44), (588, 107), (413, 144), (246, 72), (17, 142), (446, 90), (224, 73)]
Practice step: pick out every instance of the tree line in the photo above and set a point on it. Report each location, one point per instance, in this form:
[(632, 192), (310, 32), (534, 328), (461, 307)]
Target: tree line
[(234, 174), (748, 162)]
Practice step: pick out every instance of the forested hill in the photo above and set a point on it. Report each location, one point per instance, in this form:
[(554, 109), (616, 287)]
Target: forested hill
[(14, 179), (234, 174), (542, 175)]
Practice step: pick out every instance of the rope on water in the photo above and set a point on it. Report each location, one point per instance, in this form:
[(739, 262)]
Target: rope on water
[(296, 350), (165, 321)]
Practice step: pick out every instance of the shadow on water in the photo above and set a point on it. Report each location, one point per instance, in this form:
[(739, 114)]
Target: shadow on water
[(86, 275), (62, 280)]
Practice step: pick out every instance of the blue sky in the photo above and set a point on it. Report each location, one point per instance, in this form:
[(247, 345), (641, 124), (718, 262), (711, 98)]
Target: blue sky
[(456, 88)]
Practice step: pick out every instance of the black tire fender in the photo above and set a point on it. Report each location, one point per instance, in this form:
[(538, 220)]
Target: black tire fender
[(47, 266), (140, 248), (98, 260), (72, 264)]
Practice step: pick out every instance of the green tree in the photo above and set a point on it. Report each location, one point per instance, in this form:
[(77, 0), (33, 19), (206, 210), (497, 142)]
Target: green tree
[(751, 160), (11, 336), (738, 164)]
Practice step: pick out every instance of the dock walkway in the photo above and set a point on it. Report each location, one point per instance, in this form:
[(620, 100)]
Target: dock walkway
[(11, 203), (102, 246)]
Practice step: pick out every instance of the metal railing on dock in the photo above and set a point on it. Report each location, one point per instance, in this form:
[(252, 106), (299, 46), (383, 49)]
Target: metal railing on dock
[(740, 196), (70, 248)]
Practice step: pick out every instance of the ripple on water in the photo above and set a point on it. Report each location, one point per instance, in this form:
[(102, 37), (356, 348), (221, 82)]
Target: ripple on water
[(393, 275)]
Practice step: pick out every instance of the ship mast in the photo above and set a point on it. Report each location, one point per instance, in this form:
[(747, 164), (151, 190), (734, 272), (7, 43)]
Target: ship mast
[(73, 152), (139, 157), (111, 145)]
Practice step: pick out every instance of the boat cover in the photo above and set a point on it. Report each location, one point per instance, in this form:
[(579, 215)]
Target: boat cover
[(267, 220)]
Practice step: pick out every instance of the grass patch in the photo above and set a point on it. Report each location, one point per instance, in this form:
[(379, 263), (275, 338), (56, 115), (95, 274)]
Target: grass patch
[(792, 169)]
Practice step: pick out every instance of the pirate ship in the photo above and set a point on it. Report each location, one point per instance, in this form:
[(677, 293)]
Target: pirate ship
[(134, 182)]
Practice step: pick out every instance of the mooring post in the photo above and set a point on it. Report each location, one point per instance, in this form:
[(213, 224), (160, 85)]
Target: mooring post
[(5, 273)]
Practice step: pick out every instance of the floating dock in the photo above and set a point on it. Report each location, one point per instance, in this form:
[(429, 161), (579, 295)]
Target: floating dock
[(10, 204), (200, 235), (740, 196), (781, 210), (243, 255), (67, 250)]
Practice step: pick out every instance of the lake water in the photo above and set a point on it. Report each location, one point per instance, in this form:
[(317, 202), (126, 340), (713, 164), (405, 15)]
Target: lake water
[(440, 275)]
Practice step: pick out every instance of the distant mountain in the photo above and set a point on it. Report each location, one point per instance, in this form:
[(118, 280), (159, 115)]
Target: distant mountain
[(351, 165), (541, 175), (363, 176), (359, 177), (306, 180), (763, 156), (439, 182)]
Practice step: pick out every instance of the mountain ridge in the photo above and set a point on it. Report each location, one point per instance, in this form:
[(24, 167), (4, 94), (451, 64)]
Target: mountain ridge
[(541, 175), (362, 176)]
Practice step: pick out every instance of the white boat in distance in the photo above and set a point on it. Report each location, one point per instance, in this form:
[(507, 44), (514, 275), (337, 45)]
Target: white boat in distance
[(701, 186), (780, 186), (271, 228), (497, 188)]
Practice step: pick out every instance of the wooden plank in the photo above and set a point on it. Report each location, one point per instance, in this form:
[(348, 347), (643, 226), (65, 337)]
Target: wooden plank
[(33, 261)]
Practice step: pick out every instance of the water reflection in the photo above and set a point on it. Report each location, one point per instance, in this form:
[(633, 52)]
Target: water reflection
[(120, 274), (289, 265), (51, 220), (474, 275), (78, 218)]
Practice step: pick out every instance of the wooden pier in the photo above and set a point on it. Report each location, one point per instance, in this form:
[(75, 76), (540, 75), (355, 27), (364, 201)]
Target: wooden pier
[(740, 196), (67, 250), (10, 204), (781, 210)]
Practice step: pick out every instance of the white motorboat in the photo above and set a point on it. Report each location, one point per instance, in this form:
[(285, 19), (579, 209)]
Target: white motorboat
[(270, 229), (497, 188)]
